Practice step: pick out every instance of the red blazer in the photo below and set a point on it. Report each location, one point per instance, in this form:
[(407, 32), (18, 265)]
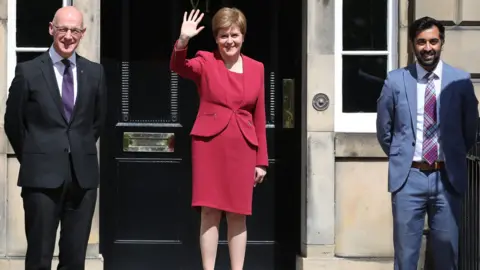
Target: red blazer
[(209, 73)]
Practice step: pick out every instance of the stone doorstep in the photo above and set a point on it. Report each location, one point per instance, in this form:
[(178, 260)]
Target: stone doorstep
[(322, 258), (302, 264), (343, 264), (18, 264), (331, 263)]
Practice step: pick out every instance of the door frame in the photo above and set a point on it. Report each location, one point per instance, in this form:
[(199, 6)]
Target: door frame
[(304, 133), (301, 110)]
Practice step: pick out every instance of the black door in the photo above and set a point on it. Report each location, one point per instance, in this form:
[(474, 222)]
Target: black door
[(145, 195)]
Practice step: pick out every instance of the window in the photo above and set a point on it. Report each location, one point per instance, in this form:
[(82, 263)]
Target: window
[(28, 30), (365, 50)]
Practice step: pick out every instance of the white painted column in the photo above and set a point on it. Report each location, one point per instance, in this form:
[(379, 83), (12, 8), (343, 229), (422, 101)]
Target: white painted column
[(3, 137), (90, 49), (319, 200)]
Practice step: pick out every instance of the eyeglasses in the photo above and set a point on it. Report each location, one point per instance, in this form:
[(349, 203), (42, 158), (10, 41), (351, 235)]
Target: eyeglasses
[(74, 31)]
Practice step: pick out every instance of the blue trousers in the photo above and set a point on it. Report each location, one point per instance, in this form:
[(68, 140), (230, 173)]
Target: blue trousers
[(426, 192)]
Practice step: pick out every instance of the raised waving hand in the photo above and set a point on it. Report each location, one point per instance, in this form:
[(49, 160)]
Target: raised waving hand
[(190, 27)]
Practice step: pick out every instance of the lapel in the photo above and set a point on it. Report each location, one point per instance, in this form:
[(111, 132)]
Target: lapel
[(446, 80), (49, 76), (410, 82), (81, 82), (223, 73), (51, 80), (247, 73)]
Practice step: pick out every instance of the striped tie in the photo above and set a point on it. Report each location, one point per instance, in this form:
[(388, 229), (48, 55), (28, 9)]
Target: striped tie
[(430, 126)]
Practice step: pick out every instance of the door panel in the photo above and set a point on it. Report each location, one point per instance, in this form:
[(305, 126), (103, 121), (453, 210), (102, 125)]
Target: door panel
[(146, 218)]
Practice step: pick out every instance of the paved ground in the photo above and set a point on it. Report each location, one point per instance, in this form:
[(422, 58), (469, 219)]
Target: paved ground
[(17, 264)]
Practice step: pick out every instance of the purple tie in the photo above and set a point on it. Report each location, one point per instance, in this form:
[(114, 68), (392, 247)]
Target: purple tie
[(430, 126), (67, 89)]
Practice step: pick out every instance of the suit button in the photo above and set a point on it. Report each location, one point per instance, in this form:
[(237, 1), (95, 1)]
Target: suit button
[(65, 150), (413, 143)]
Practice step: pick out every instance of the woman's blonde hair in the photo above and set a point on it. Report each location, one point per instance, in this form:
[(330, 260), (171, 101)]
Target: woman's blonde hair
[(226, 17)]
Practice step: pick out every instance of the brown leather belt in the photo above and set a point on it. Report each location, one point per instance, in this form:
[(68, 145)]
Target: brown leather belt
[(424, 166)]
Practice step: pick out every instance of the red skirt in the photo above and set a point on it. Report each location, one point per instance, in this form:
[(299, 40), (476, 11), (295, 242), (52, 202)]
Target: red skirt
[(223, 170)]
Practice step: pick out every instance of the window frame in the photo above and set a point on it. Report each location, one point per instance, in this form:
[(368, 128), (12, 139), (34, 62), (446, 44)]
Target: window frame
[(12, 48), (361, 122)]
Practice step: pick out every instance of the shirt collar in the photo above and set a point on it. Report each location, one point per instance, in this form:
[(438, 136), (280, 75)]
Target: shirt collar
[(421, 72), (56, 58)]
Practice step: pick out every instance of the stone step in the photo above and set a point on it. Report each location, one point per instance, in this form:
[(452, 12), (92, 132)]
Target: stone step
[(323, 258), (18, 264), (343, 264)]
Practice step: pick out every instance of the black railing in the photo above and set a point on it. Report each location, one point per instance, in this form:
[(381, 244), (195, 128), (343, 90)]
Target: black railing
[(469, 245)]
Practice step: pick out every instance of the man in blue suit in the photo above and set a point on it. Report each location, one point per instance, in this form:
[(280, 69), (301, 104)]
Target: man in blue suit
[(426, 124)]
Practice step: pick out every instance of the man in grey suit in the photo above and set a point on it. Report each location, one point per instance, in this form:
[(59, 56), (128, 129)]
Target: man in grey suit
[(426, 124)]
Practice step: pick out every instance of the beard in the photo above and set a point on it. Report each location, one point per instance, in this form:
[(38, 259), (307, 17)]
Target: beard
[(428, 59)]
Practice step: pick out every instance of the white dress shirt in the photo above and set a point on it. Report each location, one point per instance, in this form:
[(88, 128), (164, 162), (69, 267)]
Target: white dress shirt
[(59, 68), (421, 86)]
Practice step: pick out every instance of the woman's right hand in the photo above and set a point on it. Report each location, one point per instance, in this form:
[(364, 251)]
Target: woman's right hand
[(189, 26)]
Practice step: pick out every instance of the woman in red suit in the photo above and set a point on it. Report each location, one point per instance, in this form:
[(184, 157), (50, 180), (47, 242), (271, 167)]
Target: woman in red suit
[(229, 148)]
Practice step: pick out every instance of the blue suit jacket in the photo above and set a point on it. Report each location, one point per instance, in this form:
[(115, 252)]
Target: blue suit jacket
[(396, 123)]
